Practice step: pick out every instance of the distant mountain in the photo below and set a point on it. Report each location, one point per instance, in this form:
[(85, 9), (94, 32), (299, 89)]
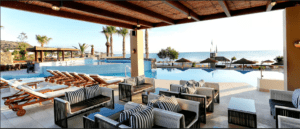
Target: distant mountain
[(10, 44)]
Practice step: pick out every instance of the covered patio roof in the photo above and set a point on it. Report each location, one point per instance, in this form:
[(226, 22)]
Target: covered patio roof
[(49, 49), (147, 14)]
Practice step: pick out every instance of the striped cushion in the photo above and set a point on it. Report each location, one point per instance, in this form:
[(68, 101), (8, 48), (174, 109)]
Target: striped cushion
[(142, 119), (124, 115), (169, 104), (75, 96), (92, 91)]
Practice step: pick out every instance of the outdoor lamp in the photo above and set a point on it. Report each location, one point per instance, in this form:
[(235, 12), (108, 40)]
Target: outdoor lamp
[(273, 3), (55, 8), (133, 51)]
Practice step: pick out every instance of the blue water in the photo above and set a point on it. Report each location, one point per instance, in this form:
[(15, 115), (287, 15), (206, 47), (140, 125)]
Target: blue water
[(199, 56), (107, 112)]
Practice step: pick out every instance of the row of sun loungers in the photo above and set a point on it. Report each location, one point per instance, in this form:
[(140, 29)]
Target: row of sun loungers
[(29, 91)]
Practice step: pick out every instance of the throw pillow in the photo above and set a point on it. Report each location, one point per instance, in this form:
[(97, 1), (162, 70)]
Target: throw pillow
[(201, 83), (131, 81), (75, 96), (169, 104), (153, 103), (142, 119), (190, 83), (295, 96), (140, 79), (124, 115), (188, 89), (92, 91)]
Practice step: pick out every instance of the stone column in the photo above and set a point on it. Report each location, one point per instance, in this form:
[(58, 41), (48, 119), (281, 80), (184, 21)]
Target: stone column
[(63, 55), (137, 53), (41, 55), (291, 27), (36, 56)]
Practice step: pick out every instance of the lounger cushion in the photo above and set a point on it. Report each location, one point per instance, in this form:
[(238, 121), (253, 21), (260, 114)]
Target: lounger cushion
[(189, 116), (140, 80), (125, 115), (142, 119), (131, 81), (295, 97), (92, 91), (273, 102), (113, 81), (33, 92), (75, 96), (169, 104)]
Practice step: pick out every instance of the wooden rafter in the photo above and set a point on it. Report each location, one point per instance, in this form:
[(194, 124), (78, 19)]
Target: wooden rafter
[(183, 9), (142, 10), (98, 11), (48, 11), (225, 8)]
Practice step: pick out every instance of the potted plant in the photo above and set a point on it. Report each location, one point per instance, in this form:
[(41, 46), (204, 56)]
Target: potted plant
[(194, 64), (92, 50)]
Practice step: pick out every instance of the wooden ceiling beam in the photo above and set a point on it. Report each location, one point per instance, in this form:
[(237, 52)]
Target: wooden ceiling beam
[(142, 10), (64, 14), (100, 12), (183, 9), (225, 8)]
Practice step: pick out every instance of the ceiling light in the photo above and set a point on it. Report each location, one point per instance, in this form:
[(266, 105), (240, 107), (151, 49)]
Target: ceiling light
[(55, 8), (138, 25), (273, 3), (189, 16)]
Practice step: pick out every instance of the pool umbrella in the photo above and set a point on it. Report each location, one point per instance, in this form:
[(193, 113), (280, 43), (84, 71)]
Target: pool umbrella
[(183, 60), (243, 72), (221, 58), (266, 61), (243, 61), (209, 60), (210, 70)]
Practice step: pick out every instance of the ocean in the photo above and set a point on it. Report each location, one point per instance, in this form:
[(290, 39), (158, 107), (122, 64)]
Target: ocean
[(199, 56)]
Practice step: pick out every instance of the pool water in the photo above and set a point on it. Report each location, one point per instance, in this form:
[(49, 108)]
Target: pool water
[(209, 75)]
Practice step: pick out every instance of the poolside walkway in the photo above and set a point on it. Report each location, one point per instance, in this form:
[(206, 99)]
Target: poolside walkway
[(41, 116)]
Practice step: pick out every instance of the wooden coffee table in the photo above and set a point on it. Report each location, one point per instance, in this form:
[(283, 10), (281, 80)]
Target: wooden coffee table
[(242, 112)]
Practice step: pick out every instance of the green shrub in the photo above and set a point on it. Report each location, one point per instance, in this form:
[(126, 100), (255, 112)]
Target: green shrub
[(194, 64)]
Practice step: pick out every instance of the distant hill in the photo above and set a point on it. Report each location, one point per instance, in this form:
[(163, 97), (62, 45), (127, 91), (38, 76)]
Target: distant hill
[(10, 44)]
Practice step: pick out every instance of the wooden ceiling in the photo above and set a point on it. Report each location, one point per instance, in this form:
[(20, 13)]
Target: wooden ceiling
[(147, 13)]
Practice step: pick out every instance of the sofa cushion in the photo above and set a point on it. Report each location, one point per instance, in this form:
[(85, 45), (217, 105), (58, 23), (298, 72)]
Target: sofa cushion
[(201, 83), (131, 81), (142, 119), (273, 102), (92, 91), (188, 89), (188, 116), (169, 104), (89, 103), (142, 87), (75, 96), (140, 80), (124, 115), (295, 97)]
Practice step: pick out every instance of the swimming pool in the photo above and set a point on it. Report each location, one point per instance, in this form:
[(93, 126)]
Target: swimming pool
[(209, 75)]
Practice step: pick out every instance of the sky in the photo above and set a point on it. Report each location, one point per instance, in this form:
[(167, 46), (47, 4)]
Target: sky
[(260, 31)]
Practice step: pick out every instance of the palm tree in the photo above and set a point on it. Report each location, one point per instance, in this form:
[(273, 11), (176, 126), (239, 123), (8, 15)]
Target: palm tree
[(111, 30), (123, 32), (232, 59), (82, 48), (43, 39), (146, 43), (105, 32)]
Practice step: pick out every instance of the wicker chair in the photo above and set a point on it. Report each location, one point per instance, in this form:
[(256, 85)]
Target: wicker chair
[(288, 122), (162, 118), (126, 90), (63, 110), (281, 105)]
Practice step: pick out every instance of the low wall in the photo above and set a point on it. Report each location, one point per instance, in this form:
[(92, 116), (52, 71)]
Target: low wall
[(265, 85), (6, 58)]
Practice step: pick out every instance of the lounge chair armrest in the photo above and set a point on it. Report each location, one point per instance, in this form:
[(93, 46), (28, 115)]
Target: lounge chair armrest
[(216, 86), (99, 119), (150, 80), (287, 108), (288, 122), (175, 87), (281, 95), (66, 104), (168, 119), (205, 91)]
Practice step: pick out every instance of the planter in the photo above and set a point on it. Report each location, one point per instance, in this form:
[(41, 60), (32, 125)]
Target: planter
[(92, 51)]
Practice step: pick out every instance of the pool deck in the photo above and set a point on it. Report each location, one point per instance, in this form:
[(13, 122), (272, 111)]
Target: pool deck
[(42, 116)]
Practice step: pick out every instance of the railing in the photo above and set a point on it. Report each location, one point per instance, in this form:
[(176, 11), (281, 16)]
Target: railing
[(125, 70)]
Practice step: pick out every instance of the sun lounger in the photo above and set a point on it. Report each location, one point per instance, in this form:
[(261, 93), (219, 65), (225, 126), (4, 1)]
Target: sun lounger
[(23, 81), (64, 78), (37, 97), (52, 78), (105, 82), (89, 80), (71, 78), (23, 95), (81, 81)]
